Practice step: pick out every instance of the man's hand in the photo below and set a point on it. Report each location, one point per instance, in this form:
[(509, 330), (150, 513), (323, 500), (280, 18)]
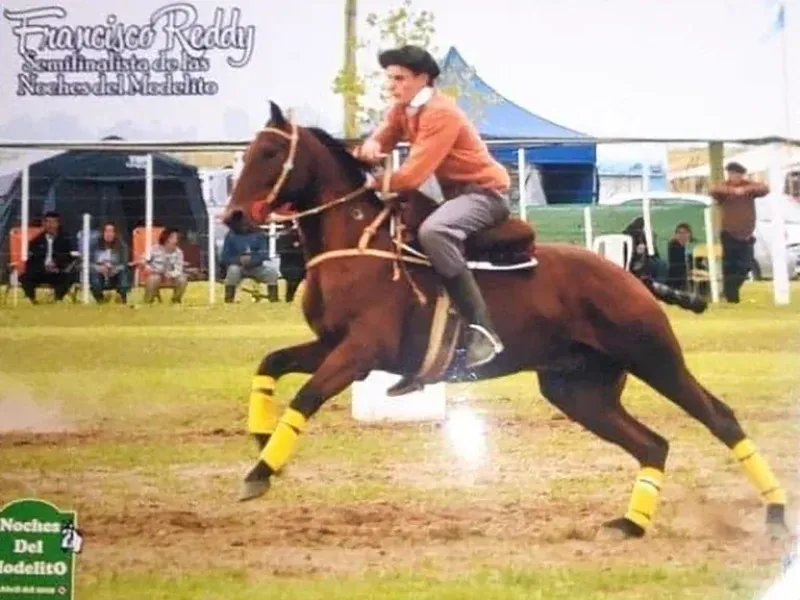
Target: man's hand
[(370, 151), (375, 179), (739, 190), (245, 259)]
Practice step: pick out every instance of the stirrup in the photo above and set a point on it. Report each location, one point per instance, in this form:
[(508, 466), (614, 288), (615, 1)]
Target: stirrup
[(495, 341), (496, 347)]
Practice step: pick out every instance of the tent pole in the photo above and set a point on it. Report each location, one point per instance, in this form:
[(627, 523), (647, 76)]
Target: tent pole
[(712, 258), (523, 208), (25, 209), (587, 227), (212, 259), (648, 225), (86, 233), (780, 275), (148, 206)]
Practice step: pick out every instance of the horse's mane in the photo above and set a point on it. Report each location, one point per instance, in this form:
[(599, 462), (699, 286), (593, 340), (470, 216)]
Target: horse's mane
[(350, 165)]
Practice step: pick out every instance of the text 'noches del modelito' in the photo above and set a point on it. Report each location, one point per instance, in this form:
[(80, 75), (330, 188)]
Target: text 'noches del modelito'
[(118, 84)]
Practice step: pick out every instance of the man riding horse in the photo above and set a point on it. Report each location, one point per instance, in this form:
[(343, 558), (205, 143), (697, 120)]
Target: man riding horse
[(443, 143)]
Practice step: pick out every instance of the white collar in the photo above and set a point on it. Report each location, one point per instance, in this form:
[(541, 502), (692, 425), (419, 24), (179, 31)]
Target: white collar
[(421, 98)]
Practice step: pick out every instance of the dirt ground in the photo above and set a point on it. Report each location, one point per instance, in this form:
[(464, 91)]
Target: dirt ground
[(132, 521)]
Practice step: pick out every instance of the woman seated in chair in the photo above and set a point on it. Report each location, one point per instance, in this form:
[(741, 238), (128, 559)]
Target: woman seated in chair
[(109, 265), (165, 267), (644, 265), (678, 253)]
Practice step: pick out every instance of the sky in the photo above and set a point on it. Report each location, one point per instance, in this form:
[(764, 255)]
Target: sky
[(628, 68)]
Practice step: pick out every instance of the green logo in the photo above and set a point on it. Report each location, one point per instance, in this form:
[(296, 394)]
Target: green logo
[(38, 544)]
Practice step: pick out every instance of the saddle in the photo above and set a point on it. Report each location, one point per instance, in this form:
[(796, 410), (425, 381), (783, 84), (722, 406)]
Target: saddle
[(508, 245)]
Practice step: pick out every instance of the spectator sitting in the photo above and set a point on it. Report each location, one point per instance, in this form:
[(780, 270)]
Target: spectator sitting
[(49, 261), (165, 267), (644, 265), (109, 265), (244, 254), (293, 264), (678, 255)]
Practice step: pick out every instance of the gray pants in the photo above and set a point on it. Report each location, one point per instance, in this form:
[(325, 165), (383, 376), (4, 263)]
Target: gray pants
[(443, 233), (263, 273)]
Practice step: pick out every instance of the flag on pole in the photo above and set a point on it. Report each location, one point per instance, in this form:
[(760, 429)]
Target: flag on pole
[(779, 20)]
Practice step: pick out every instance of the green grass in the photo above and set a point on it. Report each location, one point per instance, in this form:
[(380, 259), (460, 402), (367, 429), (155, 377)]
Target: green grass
[(142, 413), (656, 583)]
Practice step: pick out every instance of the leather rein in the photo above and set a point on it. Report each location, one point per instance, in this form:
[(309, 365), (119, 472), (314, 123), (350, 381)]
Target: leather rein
[(389, 211)]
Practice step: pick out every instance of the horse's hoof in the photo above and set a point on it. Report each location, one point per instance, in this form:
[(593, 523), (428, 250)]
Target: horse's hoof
[(253, 489), (778, 531), (776, 521), (256, 483), (620, 529)]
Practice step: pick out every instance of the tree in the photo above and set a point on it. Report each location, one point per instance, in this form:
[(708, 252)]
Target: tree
[(398, 27)]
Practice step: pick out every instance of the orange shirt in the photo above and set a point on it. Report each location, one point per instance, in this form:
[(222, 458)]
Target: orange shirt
[(445, 143)]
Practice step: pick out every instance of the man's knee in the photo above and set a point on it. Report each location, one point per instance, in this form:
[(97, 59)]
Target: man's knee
[(233, 275), (432, 233)]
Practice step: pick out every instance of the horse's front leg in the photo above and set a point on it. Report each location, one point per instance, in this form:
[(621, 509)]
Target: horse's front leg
[(262, 415), (354, 356)]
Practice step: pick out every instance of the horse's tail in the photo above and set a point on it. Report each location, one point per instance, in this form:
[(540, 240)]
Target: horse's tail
[(686, 300)]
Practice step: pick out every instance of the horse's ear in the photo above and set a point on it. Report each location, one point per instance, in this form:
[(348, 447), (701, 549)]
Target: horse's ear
[(276, 116)]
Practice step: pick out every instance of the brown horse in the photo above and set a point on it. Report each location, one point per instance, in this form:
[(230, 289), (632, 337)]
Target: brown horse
[(580, 321)]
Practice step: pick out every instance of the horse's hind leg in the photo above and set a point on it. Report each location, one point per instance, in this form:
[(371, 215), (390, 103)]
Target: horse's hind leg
[(672, 378), (591, 397)]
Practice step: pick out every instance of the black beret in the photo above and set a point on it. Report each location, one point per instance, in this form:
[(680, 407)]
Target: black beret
[(413, 58), (735, 167)]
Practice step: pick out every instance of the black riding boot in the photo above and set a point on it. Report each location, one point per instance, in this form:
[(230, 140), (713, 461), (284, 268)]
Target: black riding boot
[(483, 344), (230, 293), (272, 292)]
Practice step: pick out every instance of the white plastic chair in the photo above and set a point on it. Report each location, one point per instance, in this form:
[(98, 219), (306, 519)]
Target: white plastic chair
[(616, 247)]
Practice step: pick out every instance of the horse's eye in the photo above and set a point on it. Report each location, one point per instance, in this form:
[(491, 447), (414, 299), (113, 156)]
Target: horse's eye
[(269, 152)]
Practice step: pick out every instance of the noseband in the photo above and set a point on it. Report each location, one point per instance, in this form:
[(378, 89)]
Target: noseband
[(258, 206)]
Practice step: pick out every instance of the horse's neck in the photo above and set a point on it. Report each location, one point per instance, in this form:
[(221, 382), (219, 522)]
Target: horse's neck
[(338, 228)]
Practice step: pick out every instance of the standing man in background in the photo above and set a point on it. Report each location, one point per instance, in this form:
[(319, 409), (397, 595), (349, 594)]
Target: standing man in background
[(736, 199)]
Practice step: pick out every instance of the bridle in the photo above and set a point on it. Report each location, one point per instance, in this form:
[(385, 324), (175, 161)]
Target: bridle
[(389, 211)]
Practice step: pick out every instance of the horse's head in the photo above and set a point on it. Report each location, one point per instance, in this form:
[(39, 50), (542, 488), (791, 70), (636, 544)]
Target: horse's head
[(276, 172)]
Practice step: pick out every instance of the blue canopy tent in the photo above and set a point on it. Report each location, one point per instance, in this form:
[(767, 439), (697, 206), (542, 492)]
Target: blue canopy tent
[(567, 171), (110, 186)]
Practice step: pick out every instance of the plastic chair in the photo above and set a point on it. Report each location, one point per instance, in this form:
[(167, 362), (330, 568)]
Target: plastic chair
[(616, 247)]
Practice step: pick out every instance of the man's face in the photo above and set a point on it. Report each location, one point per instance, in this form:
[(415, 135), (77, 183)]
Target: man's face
[(403, 84), (682, 236), (51, 225)]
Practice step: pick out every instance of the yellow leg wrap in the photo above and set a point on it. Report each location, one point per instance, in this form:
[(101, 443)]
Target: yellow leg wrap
[(261, 416), (645, 496), (759, 473), (282, 441)]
